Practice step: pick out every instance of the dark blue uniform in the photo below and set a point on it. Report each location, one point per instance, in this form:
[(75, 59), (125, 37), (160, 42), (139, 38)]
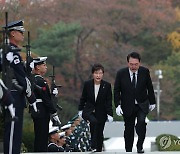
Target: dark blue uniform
[(41, 120), (7, 101), (52, 147), (6, 98), (13, 130)]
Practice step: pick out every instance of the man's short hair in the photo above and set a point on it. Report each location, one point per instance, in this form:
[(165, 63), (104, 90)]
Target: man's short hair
[(97, 67), (134, 55)]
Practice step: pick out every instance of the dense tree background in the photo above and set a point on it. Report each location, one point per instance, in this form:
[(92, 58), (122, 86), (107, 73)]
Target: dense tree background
[(75, 34)]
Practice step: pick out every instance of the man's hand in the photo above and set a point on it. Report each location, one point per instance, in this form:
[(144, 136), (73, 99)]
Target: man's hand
[(110, 118), (152, 107), (55, 91), (55, 120), (119, 111)]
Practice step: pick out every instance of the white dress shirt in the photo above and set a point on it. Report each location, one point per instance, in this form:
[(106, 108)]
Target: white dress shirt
[(96, 90)]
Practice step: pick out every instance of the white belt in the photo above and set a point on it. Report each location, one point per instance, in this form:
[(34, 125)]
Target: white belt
[(38, 100)]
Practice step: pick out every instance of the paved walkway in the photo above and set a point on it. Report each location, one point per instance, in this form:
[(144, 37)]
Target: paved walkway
[(154, 128), (109, 153)]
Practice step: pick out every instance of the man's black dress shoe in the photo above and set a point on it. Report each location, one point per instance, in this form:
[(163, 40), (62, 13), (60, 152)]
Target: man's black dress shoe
[(140, 151)]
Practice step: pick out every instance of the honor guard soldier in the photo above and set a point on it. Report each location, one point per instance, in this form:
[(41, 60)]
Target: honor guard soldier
[(53, 139), (80, 133), (57, 141), (68, 132), (45, 106), (20, 88), (73, 139), (86, 134), (62, 143)]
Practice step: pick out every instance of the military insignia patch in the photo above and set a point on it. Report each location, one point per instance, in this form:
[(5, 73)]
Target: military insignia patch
[(16, 60)]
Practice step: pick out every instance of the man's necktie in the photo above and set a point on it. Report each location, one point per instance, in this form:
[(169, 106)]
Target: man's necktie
[(134, 80), (134, 86)]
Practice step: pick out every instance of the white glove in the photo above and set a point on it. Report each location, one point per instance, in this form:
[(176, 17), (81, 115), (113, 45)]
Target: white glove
[(10, 57), (55, 91), (152, 107), (32, 65), (110, 118), (2, 84), (11, 110), (119, 111), (55, 119), (80, 113), (34, 106)]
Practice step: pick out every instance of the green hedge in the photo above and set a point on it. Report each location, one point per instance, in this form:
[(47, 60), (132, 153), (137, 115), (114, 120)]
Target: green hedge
[(168, 142)]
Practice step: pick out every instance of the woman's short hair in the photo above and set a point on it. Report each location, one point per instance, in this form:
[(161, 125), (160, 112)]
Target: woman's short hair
[(97, 67)]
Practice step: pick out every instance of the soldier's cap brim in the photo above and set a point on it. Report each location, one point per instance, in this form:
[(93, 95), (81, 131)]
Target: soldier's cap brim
[(70, 122), (75, 117), (61, 134), (15, 25), (53, 130), (39, 60), (65, 127)]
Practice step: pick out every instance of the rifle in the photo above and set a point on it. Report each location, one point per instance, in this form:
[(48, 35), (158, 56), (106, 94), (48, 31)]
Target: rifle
[(5, 63), (53, 85), (29, 59), (54, 98)]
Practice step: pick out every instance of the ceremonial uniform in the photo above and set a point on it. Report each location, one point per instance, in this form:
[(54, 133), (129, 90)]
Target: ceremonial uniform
[(20, 88), (45, 107), (86, 134), (79, 135), (80, 132), (52, 147), (68, 132), (73, 142), (54, 137)]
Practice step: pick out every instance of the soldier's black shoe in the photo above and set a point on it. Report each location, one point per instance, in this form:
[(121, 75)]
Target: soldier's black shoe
[(140, 151)]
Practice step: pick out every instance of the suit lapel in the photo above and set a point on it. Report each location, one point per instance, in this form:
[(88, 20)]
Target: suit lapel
[(138, 77), (129, 84), (92, 89)]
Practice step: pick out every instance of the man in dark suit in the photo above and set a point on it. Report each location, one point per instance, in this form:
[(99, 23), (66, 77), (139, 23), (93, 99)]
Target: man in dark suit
[(134, 98), (96, 105)]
